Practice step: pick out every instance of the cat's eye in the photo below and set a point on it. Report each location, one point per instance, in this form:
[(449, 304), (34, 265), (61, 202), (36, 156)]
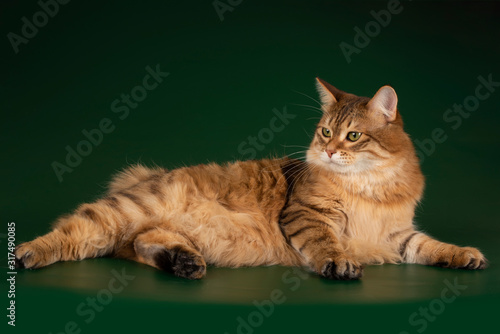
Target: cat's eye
[(353, 136), (327, 132)]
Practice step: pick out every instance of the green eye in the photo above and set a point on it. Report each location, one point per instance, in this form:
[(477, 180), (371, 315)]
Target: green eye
[(353, 136), (326, 132)]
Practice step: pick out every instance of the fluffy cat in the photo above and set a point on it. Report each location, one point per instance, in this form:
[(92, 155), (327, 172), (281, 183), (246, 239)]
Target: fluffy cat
[(351, 203)]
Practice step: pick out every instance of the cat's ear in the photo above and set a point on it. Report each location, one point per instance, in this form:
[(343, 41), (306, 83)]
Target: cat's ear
[(327, 93), (385, 101)]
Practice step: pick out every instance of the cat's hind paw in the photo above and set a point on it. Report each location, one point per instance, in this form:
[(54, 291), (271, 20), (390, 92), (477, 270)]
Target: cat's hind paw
[(182, 262), (342, 269), (25, 257), (29, 256)]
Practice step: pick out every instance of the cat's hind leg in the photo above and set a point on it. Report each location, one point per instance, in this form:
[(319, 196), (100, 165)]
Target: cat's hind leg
[(171, 252), (88, 233)]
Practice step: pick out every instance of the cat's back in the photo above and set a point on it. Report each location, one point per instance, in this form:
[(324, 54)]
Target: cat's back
[(236, 182)]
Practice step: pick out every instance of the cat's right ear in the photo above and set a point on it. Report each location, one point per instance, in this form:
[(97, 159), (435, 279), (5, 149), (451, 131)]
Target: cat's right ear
[(326, 92), (385, 101)]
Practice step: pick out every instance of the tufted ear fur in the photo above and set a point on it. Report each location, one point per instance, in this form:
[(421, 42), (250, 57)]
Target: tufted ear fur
[(327, 93), (385, 101)]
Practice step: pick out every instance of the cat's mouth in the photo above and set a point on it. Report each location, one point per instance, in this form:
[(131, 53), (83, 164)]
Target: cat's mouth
[(339, 162), (340, 158), (342, 162)]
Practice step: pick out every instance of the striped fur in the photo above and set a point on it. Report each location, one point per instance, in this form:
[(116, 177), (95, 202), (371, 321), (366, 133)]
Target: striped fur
[(333, 215)]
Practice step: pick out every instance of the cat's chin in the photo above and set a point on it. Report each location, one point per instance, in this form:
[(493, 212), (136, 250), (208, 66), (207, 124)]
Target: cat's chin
[(339, 168), (336, 167)]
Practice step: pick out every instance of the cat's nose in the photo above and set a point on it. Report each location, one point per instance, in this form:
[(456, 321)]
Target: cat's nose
[(330, 152)]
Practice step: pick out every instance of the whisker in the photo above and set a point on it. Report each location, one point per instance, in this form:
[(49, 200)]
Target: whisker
[(319, 111), (308, 134), (299, 171), (294, 153), (299, 152), (295, 169), (304, 94), (306, 171), (307, 106), (278, 168), (299, 146)]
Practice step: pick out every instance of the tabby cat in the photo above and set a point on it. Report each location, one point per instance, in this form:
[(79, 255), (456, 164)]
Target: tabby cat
[(350, 204)]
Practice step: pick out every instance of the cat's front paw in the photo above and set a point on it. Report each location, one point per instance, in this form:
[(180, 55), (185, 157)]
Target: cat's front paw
[(461, 258), (342, 268)]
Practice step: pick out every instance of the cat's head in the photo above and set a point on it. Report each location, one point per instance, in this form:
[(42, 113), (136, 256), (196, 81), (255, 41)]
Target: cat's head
[(359, 134)]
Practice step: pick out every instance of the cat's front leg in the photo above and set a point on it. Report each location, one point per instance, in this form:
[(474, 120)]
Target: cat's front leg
[(417, 247), (313, 233)]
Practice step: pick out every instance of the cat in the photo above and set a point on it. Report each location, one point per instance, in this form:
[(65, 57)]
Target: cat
[(351, 203)]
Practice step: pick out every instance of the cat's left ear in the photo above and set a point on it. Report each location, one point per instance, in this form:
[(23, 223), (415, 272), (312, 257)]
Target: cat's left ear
[(386, 102)]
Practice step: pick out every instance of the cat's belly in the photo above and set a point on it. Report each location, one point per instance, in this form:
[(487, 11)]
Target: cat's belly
[(233, 239), (230, 212)]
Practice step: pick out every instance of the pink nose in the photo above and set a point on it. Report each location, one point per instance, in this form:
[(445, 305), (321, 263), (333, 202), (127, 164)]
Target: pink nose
[(330, 152)]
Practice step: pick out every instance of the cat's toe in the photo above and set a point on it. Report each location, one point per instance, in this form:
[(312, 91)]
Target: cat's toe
[(25, 257), (342, 269), (463, 258), (19, 257), (182, 263), (189, 265), (33, 255), (19, 263), (472, 259)]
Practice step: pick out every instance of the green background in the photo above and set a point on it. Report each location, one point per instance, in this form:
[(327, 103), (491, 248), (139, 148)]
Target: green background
[(225, 79)]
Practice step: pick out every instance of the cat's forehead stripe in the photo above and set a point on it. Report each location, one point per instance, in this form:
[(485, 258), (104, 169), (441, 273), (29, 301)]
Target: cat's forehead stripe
[(346, 110)]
